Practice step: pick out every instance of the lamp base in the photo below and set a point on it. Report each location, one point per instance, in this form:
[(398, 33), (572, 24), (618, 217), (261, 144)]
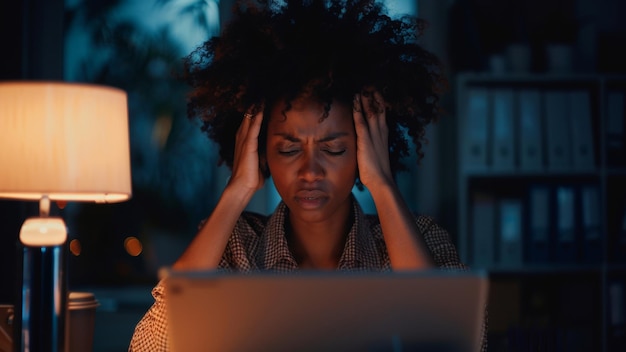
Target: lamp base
[(43, 294)]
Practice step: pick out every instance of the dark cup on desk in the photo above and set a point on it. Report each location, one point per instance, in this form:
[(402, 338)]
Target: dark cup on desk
[(81, 321), (7, 317)]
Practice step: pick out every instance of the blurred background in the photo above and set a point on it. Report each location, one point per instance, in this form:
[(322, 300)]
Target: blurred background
[(527, 169)]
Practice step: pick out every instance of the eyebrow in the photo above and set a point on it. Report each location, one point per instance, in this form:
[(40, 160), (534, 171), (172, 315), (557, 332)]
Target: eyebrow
[(327, 138)]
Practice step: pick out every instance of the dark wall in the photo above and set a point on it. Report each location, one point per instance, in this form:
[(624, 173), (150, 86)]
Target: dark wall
[(31, 42), (481, 28), (11, 22)]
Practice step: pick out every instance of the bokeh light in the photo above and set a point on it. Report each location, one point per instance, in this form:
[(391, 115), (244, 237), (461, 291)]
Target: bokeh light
[(75, 247), (133, 246)]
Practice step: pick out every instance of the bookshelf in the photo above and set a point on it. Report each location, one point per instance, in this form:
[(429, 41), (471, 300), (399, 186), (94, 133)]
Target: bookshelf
[(542, 206)]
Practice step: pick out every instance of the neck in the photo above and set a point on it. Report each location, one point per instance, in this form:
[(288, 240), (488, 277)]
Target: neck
[(319, 245)]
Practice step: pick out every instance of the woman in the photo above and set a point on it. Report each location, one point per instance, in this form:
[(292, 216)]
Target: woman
[(318, 95)]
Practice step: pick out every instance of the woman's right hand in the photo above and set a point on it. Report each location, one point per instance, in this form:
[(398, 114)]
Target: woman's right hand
[(207, 248), (246, 172)]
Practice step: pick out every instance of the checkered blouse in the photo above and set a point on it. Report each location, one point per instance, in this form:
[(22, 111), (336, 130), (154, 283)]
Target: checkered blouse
[(259, 242)]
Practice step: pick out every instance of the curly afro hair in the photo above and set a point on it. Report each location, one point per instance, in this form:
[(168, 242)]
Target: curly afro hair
[(324, 50)]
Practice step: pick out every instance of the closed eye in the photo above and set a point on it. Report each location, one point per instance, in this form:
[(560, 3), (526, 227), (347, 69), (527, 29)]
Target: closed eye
[(334, 153), (288, 152)]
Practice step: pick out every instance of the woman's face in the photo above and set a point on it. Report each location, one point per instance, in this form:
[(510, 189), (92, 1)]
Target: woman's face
[(312, 159)]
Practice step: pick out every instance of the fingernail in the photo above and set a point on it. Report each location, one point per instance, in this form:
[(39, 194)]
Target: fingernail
[(356, 103)]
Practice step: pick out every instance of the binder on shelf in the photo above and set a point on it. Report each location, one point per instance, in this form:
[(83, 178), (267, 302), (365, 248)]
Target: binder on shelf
[(566, 246), (583, 153), (503, 131), (538, 213), (483, 231), (615, 135), (620, 240), (507, 302), (476, 131), (558, 137), (617, 315), (530, 130), (576, 304), (510, 229), (591, 223)]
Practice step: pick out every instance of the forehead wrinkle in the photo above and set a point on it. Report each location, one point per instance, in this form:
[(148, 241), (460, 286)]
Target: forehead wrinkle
[(330, 137)]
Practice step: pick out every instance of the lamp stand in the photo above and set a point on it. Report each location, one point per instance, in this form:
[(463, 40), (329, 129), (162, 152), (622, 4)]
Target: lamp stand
[(44, 285)]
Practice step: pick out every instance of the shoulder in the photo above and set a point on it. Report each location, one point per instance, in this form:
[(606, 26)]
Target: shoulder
[(253, 218), (433, 233), (247, 223), (439, 243), (251, 224), (244, 242), (424, 223), (435, 237)]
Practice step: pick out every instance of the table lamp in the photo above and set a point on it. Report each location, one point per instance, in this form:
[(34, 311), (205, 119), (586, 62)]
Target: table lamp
[(58, 142)]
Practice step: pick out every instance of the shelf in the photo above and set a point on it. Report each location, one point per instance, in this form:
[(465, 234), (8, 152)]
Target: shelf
[(616, 171), (525, 77), (532, 174), (510, 213), (617, 268), (545, 270)]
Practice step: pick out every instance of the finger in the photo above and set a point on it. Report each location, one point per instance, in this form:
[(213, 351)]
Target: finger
[(370, 105), (381, 116), (376, 134), (241, 139), (254, 128), (247, 120), (373, 104), (375, 112), (242, 131), (383, 131), (360, 124)]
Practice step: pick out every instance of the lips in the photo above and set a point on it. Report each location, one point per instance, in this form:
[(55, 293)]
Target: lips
[(311, 199), (310, 193)]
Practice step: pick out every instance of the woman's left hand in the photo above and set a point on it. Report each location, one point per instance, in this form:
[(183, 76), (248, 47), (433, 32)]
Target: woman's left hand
[(372, 139), (404, 242)]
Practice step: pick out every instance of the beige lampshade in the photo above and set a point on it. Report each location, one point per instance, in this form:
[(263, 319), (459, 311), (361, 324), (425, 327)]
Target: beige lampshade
[(63, 140)]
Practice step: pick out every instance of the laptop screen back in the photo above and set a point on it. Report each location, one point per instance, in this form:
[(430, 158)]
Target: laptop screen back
[(326, 311)]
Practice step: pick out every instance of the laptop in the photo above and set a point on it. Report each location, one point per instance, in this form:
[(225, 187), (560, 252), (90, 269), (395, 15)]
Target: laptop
[(326, 311)]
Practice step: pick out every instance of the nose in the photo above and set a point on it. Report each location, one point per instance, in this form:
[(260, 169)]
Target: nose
[(310, 168)]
